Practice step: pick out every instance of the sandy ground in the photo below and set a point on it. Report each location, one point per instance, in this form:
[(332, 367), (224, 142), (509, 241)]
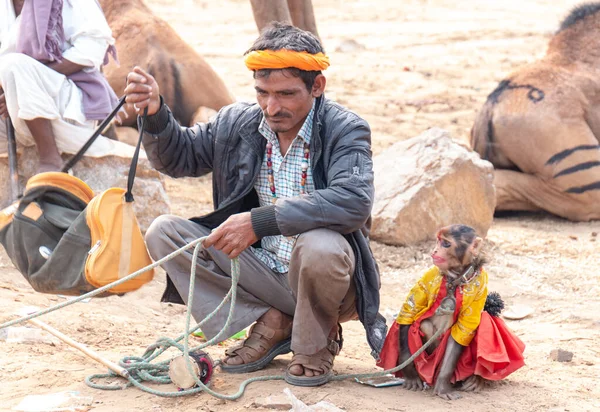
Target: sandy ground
[(423, 63)]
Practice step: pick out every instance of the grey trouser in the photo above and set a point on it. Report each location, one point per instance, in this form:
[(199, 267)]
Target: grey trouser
[(318, 291)]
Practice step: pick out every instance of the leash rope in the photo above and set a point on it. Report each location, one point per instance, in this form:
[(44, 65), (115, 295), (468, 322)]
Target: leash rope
[(139, 369)]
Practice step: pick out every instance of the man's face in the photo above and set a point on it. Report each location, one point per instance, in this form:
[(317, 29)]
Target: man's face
[(284, 100)]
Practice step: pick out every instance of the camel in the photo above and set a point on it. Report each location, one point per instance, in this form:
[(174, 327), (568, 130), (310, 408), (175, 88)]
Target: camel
[(297, 12), (148, 41), (540, 127), (189, 86)]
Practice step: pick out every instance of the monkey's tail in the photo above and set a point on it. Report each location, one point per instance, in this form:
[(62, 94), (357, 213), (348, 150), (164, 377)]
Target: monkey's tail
[(494, 304)]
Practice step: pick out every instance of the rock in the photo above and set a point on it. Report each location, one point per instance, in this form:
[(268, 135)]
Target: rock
[(299, 406), (559, 355), (278, 402), (428, 182), (517, 312), (100, 174), (349, 46)]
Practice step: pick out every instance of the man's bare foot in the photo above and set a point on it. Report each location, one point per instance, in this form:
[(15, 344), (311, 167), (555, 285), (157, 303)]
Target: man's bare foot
[(41, 130), (52, 166), (270, 330), (312, 370), (321, 362)]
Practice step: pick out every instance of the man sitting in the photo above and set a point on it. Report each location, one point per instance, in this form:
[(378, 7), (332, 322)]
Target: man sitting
[(50, 82), (293, 191)]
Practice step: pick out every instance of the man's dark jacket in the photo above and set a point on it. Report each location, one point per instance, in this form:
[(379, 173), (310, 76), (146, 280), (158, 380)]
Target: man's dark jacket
[(232, 148)]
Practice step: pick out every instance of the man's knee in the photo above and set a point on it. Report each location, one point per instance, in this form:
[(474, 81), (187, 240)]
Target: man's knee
[(157, 234), (167, 232), (14, 62), (323, 250)]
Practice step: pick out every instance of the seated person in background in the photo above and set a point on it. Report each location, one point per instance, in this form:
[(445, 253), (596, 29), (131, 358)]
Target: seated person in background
[(475, 346), (50, 82)]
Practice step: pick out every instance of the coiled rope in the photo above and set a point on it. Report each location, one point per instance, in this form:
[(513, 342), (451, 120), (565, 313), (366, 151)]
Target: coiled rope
[(140, 369)]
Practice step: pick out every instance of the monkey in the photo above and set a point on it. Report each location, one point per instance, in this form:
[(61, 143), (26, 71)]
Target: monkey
[(475, 345)]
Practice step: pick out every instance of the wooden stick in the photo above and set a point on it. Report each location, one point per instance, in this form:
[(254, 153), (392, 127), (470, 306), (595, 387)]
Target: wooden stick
[(87, 351), (12, 161)]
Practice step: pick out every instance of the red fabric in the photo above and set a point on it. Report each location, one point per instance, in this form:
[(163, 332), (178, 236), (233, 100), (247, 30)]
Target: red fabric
[(494, 353)]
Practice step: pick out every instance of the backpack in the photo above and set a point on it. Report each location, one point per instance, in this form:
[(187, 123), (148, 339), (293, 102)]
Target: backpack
[(65, 240)]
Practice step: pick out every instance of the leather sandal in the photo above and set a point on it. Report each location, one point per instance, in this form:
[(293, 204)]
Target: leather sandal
[(322, 361), (258, 350)]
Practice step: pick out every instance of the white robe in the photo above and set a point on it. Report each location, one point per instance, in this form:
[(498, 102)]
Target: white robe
[(33, 90)]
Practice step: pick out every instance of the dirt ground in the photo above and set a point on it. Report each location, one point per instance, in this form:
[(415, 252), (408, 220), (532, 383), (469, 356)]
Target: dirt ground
[(422, 64)]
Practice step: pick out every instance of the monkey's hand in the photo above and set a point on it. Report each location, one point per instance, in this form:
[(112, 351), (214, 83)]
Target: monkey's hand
[(445, 390), (412, 380), (413, 384)]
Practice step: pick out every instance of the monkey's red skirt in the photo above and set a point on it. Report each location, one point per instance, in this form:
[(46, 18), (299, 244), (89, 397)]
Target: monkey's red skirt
[(494, 353)]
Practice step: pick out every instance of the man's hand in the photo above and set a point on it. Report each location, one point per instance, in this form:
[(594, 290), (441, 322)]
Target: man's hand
[(3, 108), (142, 91), (233, 236), (66, 67)]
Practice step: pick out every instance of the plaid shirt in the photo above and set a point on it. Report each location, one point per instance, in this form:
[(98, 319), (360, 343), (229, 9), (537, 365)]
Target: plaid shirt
[(276, 251)]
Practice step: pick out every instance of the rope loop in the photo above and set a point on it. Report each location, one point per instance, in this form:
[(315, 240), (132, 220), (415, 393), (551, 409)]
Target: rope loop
[(140, 369)]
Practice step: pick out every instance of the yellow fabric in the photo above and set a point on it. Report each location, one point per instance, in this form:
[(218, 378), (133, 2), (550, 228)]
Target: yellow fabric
[(66, 182), (283, 59), (424, 294), (118, 247), (33, 211), (7, 214)]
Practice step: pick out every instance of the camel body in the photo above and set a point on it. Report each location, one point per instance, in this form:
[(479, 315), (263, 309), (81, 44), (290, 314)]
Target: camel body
[(540, 127), (188, 84)]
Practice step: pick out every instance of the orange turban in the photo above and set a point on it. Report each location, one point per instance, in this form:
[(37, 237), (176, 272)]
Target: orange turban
[(284, 59)]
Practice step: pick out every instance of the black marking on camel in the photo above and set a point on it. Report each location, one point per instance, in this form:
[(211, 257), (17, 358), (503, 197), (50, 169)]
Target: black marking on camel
[(489, 148), (565, 153), (577, 168), (535, 95), (579, 13), (583, 189), (178, 94)]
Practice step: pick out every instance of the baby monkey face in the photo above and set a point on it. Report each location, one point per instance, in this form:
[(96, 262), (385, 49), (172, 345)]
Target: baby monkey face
[(455, 248)]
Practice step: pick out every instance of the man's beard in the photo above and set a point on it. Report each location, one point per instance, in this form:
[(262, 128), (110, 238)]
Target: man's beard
[(278, 127)]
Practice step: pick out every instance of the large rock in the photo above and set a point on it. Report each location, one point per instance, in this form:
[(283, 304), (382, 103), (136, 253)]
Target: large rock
[(100, 174), (428, 182)]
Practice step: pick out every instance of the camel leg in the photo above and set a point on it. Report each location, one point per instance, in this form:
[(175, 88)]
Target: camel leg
[(520, 191), (267, 11), (203, 115), (129, 135), (126, 116), (303, 15)]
